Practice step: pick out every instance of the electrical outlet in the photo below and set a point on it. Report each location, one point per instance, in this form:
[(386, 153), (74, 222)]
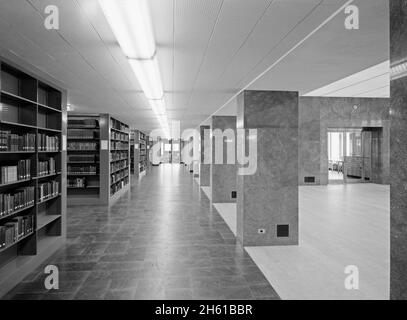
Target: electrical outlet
[(261, 231), (234, 195)]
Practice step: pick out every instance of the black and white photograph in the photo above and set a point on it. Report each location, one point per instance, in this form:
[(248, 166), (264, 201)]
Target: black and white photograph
[(187, 151)]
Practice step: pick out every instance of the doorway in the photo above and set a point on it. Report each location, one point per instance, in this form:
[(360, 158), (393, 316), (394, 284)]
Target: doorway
[(349, 155)]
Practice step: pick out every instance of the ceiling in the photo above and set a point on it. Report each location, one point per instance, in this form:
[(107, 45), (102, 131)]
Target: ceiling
[(208, 50)]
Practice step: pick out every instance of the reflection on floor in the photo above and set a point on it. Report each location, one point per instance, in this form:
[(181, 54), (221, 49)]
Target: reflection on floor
[(161, 240), (228, 213), (349, 226), (339, 226), (335, 175)]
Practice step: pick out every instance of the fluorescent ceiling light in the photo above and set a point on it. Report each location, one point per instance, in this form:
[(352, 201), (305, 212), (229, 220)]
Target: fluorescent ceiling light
[(131, 24), (148, 75), (158, 107)]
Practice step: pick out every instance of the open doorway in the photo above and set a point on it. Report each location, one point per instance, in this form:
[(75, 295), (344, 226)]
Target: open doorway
[(350, 155)]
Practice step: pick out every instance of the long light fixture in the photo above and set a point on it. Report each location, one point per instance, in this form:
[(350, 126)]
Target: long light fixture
[(131, 24)]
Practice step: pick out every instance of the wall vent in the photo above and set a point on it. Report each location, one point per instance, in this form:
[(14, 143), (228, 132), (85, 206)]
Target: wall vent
[(283, 231), (309, 179)]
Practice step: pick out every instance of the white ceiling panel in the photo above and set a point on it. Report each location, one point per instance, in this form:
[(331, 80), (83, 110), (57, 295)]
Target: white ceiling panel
[(207, 50)]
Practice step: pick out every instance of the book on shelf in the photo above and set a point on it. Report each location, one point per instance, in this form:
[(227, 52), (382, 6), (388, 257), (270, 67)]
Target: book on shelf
[(21, 171), (88, 170), (11, 202), (119, 155), (119, 136), (47, 143), (83, 123), (87, 146), (47, 190), (118, 146), (16, 142), (46, 167), (118, 165), (83, 134), (83, 158), (15, 229)]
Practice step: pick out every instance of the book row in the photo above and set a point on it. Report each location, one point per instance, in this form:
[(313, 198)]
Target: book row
[(119, 145), (119, 136), (46, 167), (77, 183), (16, 229), (116, 177), (48, 143), (11, 202), (83, 123), (47, 190), (82, 169), (118, 126), (119, 156), (21, 171), (93, 146), (16, 142), (115, 166), (83, 134), (83, 158), (118, 186)]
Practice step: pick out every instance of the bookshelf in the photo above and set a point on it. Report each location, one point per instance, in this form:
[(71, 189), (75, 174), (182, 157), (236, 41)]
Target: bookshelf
[(139, 145), (83, 159), (119, 157), (98, 158), (143, 152), (32, 177)]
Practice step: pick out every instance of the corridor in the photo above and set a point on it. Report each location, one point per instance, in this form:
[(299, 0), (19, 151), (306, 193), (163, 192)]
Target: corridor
[(161, 240)]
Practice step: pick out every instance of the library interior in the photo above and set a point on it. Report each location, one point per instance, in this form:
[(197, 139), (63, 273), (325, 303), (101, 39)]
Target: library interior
[(203, 149)]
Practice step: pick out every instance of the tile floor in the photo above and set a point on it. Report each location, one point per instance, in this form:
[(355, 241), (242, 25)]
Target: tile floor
[(161, 240)]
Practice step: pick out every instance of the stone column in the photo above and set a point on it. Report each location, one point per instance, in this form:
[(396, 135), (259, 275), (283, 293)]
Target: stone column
[(205, 168), (267, 205), (398, 151), (223, 174)]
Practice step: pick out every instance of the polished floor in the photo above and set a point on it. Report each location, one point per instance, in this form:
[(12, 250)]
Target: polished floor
[(340, 226), (161, 240)]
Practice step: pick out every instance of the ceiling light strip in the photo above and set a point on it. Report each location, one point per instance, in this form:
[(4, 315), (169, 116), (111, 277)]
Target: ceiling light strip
[(131, 24)]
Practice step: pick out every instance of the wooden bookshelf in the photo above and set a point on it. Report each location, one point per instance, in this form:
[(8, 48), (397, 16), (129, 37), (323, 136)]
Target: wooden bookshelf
[(32, 175), (83, 160)]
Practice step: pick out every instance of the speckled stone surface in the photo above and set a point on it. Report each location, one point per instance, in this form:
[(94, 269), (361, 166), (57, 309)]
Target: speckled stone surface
[(398, 156), (161, 240), (317, 114), (223, 176), (270, 196), (205, 168)]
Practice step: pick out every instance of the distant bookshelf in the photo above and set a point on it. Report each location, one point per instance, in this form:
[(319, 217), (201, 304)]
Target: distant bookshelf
[(119, 156), (31, 173), (83, 160), (98, 158)]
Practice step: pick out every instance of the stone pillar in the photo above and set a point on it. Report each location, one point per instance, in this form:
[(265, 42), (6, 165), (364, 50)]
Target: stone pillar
[(398, 152), (223, 175), (205, 168), (267, 205)]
